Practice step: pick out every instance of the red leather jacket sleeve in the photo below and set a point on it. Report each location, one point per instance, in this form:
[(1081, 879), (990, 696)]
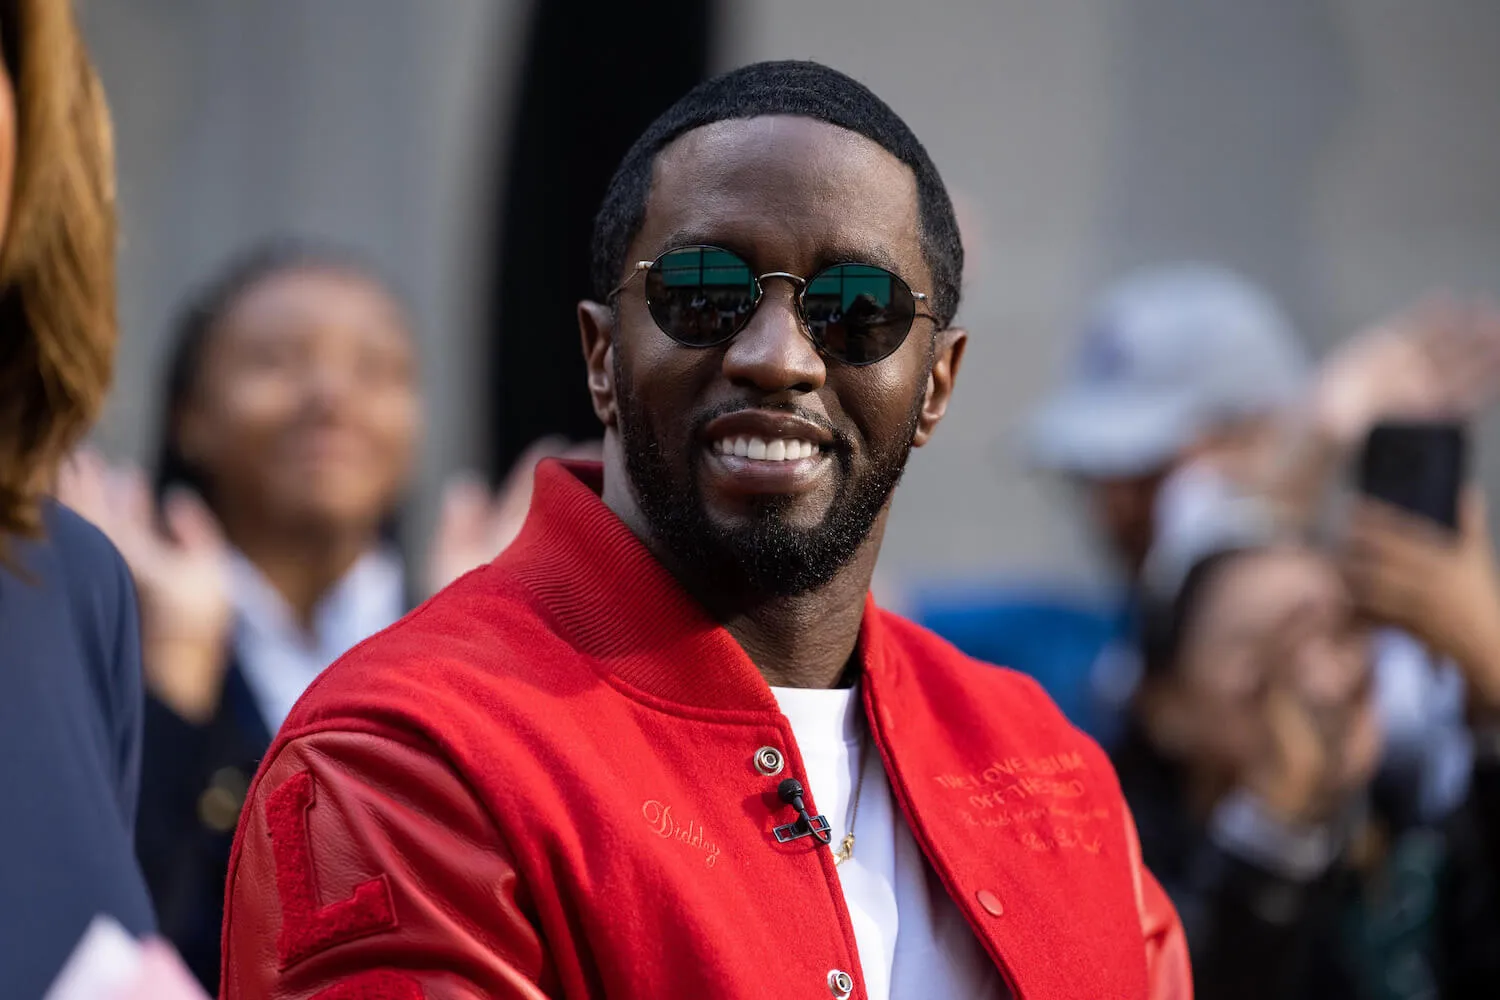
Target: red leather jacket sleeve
[(365, 870), (1169, 974)]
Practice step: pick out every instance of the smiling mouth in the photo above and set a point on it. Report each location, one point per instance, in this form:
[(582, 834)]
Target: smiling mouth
[(763, 450)]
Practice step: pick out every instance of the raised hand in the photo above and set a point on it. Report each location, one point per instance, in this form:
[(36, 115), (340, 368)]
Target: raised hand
[(1440, 586), (1440, 360), (475, 525), (181, 570)]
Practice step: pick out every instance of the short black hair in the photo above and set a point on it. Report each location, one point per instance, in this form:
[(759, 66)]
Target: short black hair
[(790, 87)]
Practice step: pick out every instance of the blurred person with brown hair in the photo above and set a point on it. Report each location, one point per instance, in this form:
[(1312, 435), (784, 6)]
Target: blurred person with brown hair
[(1251, 766), (1253, 736), (70, 713)]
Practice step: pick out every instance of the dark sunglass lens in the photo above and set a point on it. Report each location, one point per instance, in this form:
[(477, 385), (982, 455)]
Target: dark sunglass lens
[(700, 296), (858, 313)]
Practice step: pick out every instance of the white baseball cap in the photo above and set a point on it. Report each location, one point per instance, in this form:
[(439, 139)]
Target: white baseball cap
[(1166, 355), (1199, 512)]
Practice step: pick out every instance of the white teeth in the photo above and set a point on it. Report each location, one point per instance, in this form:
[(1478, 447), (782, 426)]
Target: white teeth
[(759, 449)]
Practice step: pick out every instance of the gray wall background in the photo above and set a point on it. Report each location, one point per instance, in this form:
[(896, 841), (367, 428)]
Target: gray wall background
[(369, 122), (1343, 152)]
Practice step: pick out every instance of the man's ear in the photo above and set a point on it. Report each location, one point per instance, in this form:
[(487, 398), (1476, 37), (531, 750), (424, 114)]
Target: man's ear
[(596, 327), (947, 356)]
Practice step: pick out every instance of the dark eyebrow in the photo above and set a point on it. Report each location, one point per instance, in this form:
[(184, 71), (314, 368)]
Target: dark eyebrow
[(830, 253), (691, 238), (851, 253)]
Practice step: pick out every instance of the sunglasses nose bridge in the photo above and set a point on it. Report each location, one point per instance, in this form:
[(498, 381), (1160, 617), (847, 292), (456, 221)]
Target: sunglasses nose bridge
[(774, 350), (798, 282), (798, 288)]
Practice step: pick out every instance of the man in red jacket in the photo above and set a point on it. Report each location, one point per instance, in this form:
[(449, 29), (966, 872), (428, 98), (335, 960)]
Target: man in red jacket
[(666, 746)]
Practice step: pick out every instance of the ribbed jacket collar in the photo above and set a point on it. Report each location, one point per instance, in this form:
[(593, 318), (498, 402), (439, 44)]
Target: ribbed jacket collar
[(608, 595)]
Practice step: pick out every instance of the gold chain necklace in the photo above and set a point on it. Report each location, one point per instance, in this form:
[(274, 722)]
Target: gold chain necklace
[(845, 850)]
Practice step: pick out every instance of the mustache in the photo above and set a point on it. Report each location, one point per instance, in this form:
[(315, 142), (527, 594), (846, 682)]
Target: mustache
[(840, 439)]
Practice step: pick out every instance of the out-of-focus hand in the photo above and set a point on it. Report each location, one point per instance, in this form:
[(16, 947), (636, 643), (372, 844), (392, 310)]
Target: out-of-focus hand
[(181, 570), (163, 975), (1442, 587), (1322, 741), (109, 964), (1440, 360), (1286, 777), (474, 525)]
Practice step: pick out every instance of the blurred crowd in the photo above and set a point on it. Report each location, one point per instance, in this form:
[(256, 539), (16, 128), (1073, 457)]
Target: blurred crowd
[(1299, 683)]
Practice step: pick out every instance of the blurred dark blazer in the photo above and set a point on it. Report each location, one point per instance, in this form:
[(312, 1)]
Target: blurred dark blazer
[(193, 782), (194, 779)]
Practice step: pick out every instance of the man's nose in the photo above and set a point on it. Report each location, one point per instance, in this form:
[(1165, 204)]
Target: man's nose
[(774, 353)]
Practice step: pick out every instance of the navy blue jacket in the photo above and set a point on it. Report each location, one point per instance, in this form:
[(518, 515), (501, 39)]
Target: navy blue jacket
[(70, 749)]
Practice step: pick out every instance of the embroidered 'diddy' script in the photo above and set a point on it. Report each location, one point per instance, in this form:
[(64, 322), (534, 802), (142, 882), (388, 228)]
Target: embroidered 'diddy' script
[(668, 827)]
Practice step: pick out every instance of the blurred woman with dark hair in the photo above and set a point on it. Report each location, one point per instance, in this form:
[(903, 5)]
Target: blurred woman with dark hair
[(1250, 767), (263, 550), (70, 715)]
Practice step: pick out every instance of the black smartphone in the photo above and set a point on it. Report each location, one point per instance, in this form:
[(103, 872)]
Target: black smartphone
[(1419, 467)]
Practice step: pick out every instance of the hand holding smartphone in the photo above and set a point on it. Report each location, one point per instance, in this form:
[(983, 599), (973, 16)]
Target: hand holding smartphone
[(1419, 467)]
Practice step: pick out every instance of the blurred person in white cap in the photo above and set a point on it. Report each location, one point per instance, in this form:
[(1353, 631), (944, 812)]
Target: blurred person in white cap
[(1174, 363)]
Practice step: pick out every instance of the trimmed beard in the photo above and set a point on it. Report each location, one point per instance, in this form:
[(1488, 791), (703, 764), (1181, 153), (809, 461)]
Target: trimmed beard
[(768, 556)]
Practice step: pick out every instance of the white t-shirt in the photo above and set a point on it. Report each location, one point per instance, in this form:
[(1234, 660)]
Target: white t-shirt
[(914, 944)]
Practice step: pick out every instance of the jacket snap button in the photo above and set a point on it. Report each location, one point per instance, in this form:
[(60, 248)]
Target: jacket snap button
[(840, 983), (769, 761), (990, 902)]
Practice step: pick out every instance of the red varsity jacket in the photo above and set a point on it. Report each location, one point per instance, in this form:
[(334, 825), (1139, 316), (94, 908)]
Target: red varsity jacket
[(549, 782)]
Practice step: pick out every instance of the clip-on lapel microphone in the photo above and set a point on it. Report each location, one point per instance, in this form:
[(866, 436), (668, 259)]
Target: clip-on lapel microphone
[(790, 792)]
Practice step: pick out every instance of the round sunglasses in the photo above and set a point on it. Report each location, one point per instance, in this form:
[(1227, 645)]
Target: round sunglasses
[(701, 296)]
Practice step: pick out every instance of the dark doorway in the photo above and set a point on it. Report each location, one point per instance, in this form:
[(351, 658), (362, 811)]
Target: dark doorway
[(595, 75)]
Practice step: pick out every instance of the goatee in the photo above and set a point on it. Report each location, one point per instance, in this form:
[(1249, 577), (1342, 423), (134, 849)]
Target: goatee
[(768, 556)]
